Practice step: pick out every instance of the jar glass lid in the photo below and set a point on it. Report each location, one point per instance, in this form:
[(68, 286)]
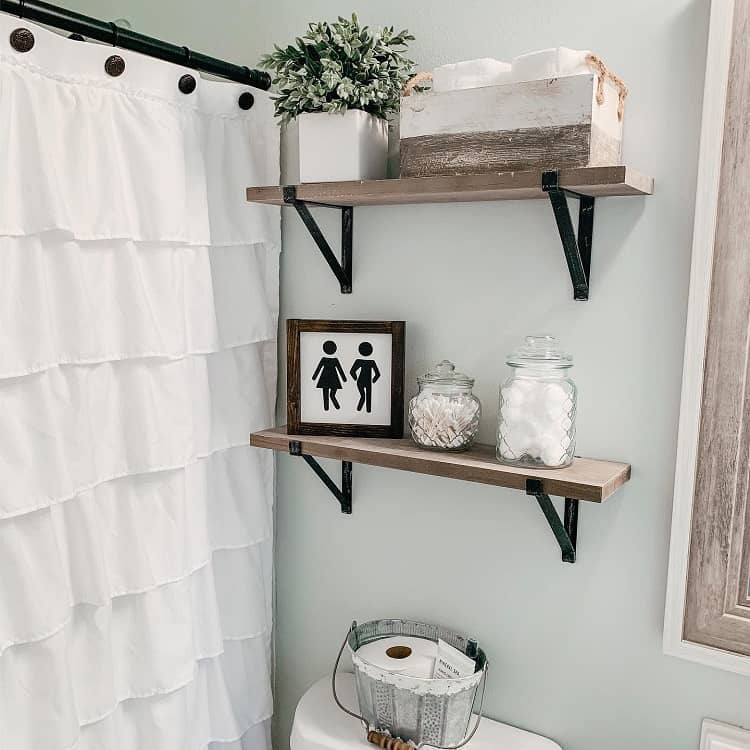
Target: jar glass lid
[(444, 373), (540, 351)]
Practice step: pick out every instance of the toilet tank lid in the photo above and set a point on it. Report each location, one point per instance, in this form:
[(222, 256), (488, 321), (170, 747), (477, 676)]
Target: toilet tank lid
[(319, 724)]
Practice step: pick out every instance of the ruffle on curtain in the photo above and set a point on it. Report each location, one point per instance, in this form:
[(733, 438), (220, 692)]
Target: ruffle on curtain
[(138, 318), (64, 303)]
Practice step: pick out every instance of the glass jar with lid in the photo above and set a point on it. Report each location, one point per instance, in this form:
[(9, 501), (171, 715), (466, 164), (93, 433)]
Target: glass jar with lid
[(445, 414), (537, 412)]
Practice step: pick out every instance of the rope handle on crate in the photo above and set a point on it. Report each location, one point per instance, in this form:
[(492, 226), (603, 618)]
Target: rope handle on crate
[(386, 741), (604, 72), (593, 60), (414, 81)]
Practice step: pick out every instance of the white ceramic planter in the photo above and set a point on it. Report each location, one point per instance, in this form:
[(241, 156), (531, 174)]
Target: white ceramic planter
[(324, 147)]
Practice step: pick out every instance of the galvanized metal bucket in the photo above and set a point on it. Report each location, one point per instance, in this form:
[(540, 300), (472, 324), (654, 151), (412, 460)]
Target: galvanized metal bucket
[(422, 711)]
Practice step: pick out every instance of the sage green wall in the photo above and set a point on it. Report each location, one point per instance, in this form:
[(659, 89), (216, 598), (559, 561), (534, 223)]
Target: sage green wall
[(575, 649)]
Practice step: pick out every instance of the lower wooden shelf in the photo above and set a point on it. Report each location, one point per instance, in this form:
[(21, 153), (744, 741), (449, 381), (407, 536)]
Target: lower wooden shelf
[(586, 479)]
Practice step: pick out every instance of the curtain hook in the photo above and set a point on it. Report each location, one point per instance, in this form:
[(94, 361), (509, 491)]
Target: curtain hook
[(115, 33), (21, 8), (188, 56)]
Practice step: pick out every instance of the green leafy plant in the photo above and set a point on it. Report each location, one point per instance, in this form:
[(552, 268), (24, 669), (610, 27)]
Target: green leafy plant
[(340, 66)]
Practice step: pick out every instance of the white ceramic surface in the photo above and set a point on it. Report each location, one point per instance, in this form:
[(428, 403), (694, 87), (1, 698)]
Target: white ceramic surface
[(320, 725), (323, 147)]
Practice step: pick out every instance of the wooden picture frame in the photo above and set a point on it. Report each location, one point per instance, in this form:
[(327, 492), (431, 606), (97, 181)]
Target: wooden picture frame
[(707, 613), (388, 409)]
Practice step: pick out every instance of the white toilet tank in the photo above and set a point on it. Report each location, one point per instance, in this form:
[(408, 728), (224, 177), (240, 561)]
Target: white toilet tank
[(319, 724)]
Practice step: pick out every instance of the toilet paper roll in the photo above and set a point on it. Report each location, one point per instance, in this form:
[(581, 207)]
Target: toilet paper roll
[(406, 655)]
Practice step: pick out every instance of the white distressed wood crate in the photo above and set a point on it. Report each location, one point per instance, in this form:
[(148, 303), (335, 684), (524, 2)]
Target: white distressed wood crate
[(567, 121)]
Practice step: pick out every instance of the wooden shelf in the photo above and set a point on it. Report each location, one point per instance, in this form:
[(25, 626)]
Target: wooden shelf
[(586, 479), (591, 181), (585, 183)]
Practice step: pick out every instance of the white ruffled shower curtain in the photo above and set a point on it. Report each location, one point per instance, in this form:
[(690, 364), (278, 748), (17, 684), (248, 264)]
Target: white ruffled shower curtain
[(138, 316)]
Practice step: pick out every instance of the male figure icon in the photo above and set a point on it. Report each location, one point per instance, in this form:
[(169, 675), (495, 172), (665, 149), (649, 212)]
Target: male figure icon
[(329, 368), (366, 373)]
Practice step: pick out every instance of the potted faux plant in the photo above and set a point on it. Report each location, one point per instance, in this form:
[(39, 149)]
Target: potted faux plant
[(335, 88)]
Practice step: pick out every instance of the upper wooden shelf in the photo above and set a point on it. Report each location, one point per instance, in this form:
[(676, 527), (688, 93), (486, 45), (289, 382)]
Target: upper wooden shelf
[(586, 479), (592, 181)]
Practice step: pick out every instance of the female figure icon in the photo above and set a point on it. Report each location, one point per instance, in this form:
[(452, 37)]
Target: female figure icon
[(329, 368), (366, 373)]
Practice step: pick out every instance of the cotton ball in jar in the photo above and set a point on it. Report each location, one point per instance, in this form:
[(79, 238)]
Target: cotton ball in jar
[(555, 446), (518, 438), (552, 455), (514, 395), (511, 414), (555, 399), (534, 435)]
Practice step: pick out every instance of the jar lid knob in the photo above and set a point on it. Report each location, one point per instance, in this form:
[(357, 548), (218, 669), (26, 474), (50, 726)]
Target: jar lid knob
[(444, 373), (540, 350)]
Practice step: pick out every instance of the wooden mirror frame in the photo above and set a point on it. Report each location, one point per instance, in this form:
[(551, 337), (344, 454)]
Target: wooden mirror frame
[(705, 619)]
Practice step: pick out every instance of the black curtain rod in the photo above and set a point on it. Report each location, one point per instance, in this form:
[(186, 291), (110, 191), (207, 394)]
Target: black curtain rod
[(111, 33)]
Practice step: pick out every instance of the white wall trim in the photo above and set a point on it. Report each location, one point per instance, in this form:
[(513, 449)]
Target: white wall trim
[(706, 204), (717, 736)]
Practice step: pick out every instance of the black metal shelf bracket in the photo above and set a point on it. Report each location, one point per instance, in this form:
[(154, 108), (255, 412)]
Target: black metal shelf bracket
[(341, 270), (566, 532), (343, 495), (577, 251)]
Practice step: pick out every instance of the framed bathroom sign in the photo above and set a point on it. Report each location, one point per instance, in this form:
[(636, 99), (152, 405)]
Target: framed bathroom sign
[(707, 616), (345, 378)]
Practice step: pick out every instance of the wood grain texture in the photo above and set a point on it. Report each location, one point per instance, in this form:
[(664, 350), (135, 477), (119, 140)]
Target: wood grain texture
[(585, 479), (496, 151), (567, 100), (551, 123), (395, 328), (717, 610), (594, 181), (605, 150)]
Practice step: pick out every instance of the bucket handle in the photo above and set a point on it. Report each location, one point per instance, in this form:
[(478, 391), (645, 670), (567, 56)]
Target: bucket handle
[(375, 737)]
